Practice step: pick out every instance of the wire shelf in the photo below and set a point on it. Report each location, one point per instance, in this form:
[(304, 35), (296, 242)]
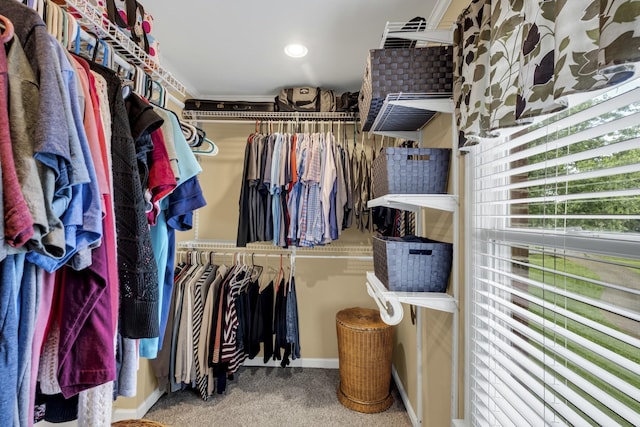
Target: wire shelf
[(92, 20), (397, 33), (267, 115), (363, 252), (410, 111)]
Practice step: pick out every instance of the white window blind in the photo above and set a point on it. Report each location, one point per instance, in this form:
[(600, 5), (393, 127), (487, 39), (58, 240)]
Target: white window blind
[(555, 287)]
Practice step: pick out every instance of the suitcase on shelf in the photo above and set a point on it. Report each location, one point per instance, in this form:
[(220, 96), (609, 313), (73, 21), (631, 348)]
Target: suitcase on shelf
[(240, 106)]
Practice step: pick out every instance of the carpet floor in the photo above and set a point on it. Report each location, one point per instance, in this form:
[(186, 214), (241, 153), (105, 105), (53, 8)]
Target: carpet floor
[(266, 397)]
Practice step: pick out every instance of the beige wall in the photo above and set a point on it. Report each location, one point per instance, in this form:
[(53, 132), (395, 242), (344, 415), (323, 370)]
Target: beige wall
[(436, 326), (327, 286), (146, 385), (324, 286)]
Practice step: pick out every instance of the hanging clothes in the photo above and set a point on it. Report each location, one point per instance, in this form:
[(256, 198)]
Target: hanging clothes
[(221, 316), (293, 329), (77, 261), (295, 190)]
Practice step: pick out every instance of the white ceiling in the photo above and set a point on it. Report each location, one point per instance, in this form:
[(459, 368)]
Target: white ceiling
[(233, 50)]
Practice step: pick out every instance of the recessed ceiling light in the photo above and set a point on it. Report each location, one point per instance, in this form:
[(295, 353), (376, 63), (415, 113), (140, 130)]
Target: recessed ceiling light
[(295, 50)]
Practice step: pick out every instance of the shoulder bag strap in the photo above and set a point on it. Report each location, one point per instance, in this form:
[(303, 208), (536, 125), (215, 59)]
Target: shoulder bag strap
[(114, 16)]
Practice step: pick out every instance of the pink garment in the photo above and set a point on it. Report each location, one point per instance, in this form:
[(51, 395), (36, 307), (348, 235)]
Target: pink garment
[(18, 222), (86, 356), (99, 153), (161, 178), (91, 128)]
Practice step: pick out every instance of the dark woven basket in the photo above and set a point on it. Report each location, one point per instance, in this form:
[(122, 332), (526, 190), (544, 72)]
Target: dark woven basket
[(411, 171), (412, 264), (409, 70)]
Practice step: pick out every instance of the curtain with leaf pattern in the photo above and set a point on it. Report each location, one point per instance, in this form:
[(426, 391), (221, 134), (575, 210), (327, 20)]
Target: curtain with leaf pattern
[(518, 59)]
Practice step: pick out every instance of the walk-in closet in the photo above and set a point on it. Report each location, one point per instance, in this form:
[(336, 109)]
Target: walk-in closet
[(267, 213)]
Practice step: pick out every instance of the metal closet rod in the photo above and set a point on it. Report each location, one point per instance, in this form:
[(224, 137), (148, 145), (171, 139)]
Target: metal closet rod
[(215, 116), (321, 252), (267, 255), (251, 121)]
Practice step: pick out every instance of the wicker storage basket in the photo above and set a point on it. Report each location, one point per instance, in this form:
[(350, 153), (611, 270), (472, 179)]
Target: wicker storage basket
[(412, 264), (411, 171), (410, 70), (365, 346)]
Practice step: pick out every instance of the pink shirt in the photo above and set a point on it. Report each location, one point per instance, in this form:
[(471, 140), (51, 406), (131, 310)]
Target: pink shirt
[(18, 222), (99, 153)]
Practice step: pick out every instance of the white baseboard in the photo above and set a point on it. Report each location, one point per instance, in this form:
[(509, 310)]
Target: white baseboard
[(118, 414), (136, 413), (405, 398), (298, 363)]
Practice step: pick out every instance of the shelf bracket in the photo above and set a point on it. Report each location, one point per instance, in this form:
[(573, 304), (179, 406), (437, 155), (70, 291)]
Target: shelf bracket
[(391, 311)]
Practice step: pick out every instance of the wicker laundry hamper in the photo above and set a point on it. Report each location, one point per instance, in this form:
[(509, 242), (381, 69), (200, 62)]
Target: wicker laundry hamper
[(137, 423), (365, 345)]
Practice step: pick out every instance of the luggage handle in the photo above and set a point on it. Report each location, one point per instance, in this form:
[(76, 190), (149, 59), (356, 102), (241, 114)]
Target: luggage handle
[(242, 108), (420, 251)]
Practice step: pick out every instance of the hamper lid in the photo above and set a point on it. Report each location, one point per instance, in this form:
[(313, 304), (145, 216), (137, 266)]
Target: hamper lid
[(361, 318)]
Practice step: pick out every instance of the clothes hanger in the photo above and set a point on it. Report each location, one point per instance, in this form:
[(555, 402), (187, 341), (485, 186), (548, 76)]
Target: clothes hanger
[(256, 270), (157, 97), (281, 273), (210, 148), (7, 29), (267, 278), (189, 132), (247, 269), (201, 135), (240, 267), (292, 268)]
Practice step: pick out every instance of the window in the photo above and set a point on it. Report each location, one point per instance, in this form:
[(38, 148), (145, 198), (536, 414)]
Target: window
[(555, 288)]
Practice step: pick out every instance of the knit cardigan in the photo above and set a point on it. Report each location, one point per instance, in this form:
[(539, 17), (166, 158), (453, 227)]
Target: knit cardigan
[(137, 269)]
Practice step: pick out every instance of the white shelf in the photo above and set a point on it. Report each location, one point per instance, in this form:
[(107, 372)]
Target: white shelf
[(389, 301), (362, 252), (404, 115), (407, 113), (414, 202), (204, 116), (422, 102), (91, 19), (422, 37)]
